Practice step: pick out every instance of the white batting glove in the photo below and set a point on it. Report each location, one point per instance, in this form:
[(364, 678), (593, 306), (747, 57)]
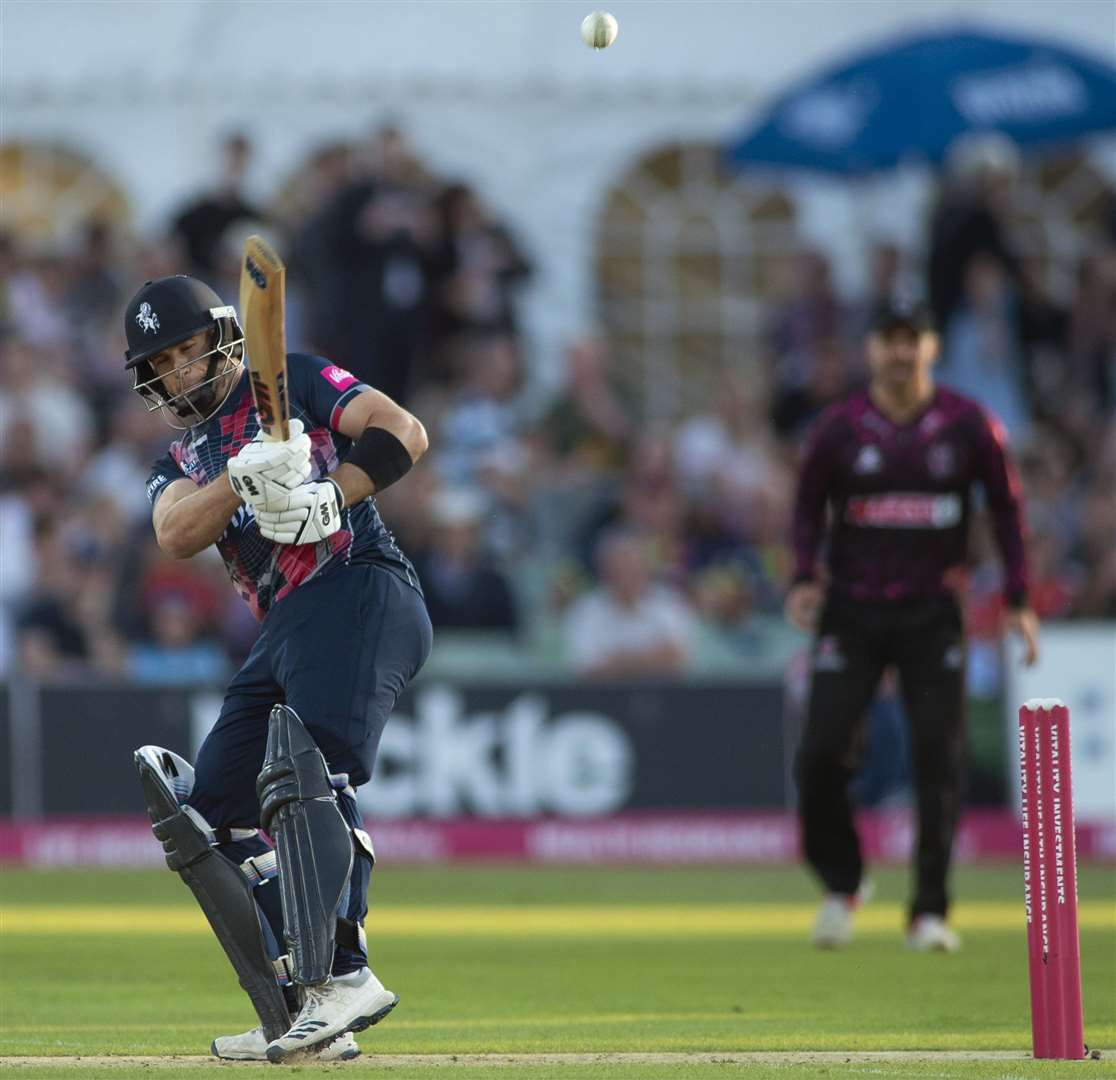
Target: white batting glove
[(265, 473), (310, 513)]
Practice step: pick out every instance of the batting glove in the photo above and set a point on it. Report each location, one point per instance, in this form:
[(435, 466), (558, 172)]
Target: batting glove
[(264, 473), (311, 513)]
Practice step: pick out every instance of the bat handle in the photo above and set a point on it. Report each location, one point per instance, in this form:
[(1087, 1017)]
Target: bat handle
[(280, 432)]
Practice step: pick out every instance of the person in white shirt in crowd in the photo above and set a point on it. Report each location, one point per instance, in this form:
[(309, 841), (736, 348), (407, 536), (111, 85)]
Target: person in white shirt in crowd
[(629, 625)]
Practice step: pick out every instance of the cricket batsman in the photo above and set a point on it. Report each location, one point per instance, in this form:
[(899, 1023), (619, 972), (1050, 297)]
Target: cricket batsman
[(343, 628), (894, 465)]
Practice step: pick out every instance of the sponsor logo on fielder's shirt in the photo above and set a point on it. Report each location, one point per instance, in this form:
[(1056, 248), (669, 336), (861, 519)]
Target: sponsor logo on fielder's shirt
[(899, 510), (338, 376)]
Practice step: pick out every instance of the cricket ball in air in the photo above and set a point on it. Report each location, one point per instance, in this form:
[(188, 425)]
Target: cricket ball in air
[(599, 30)]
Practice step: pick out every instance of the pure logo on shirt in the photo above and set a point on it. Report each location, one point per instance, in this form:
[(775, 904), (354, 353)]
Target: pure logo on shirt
[(338, 376)]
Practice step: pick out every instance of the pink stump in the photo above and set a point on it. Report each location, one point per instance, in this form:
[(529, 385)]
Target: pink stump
[(1050, 880)]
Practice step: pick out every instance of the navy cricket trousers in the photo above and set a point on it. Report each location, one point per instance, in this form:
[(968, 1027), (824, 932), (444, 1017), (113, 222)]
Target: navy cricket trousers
[(338, 650)]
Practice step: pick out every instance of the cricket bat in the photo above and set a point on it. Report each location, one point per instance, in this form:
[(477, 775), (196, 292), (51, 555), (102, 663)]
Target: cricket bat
[(262, 312)]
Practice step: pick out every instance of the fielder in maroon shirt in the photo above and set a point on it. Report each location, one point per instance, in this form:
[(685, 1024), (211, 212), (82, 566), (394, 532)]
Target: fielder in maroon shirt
[(886, 486)]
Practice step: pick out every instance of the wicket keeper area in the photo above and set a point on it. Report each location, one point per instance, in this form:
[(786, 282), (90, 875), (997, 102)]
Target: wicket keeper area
[(701, 972)]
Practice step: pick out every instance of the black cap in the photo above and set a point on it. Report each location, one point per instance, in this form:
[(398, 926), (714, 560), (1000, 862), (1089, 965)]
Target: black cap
[(168, 311), (902, 312)]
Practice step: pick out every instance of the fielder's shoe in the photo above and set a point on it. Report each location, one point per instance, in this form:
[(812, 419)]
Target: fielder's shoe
[(833, 924), (343, 1003), (252, 1046), (929, 933)]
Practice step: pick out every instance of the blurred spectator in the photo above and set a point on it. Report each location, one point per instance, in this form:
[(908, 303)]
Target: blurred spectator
[(650, 503), (40, 413), (736, 480), (589, 427), (1092, 334), (810, 317), (7, 272), (1047, 466), (970, 219), (36, 302), (982, 354), (1097, 548), (738, 604), (119, 470), (729, 447), (62, 625), (94, 293), (464, 590), (178, 652), (581, 446), (312, 272), (889, 279), (478, 266), (480, 431), (830, 378), (202, 223), (376, 248), (628, 626)]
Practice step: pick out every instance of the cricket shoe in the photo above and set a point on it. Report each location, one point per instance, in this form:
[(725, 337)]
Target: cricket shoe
[(833, 925), (252, 1046), (929, 933), (343, 1003)]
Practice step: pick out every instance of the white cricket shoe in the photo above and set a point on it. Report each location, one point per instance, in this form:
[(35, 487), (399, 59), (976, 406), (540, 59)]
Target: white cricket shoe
[(833, 924), (929, 933), (252, 1046), (342, 1003)]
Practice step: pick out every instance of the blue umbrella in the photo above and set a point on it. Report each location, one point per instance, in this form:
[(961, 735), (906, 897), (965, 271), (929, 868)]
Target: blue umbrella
[(911, 98)]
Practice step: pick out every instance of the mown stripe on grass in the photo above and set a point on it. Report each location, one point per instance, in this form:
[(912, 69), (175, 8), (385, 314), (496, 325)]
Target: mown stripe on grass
[(562, 921), (550, 1060)]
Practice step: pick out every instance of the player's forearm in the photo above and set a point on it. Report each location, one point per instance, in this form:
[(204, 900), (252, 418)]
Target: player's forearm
[(806, 533), (1004, 494), (354, 479), (808, 516), (1008, 528), (198, 520), (353, 482)]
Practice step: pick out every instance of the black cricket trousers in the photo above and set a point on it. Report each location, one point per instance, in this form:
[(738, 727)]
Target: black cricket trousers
[(855, 641)]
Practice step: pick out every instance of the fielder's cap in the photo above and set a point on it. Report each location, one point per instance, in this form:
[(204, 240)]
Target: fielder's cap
[(168, 311), (902, 312)]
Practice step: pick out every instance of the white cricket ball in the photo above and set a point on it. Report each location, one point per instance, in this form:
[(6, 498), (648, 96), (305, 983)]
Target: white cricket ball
[(599, 29)]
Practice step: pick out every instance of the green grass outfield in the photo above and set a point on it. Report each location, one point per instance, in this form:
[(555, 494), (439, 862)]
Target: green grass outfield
[(708, 970)]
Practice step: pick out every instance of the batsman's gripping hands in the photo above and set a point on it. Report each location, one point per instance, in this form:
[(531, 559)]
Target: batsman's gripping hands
[(265, 473), (309, 513)]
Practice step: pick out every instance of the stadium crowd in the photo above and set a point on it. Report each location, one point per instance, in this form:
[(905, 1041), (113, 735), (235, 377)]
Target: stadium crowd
[(585, 538)]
